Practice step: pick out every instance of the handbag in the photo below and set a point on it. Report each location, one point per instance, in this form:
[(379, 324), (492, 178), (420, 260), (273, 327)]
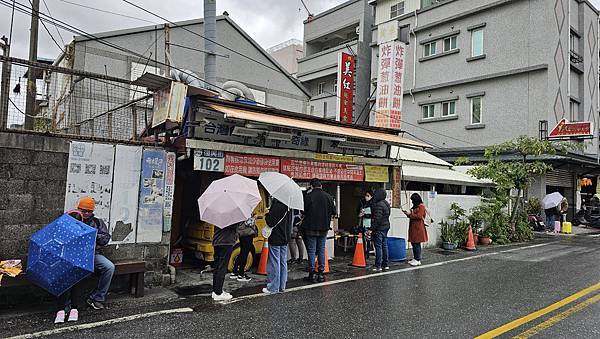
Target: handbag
[(247, 228), (428, 220), (266, 231)]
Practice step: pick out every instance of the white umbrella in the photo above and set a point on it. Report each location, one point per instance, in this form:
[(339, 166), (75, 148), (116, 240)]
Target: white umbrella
[(283, 188), (552, 200), (229, 200)]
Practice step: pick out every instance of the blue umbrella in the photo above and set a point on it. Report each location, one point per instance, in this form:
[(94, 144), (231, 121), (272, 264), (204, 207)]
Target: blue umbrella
[(61, 254)]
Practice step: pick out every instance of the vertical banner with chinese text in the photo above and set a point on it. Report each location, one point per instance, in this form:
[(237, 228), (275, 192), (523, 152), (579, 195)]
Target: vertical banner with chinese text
[(169, 191), (388, 106), (345, 87)]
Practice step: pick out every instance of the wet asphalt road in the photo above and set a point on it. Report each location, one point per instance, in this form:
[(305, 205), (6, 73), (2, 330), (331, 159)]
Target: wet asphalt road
[(456, 299)]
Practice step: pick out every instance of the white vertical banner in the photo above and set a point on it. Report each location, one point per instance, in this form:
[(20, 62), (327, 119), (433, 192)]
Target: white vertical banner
[(169, 191), (126, 189), (390, 80), (90, 173)]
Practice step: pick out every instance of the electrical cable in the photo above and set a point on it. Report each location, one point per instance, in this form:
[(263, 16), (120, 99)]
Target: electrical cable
[(57, 31), (12, 20), (48, 31), (108, 12)]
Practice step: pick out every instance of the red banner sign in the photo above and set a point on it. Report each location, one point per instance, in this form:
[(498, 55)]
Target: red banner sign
[(332, 171), (566, 129), (345, 88), (250, 165)]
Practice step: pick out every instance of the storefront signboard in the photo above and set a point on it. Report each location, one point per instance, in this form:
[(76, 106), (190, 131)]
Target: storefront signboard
[(345, 87), (388, 105), (376, 174), (249, 164), (334, 157), (565, 129), (169, 191), (209, 160), (331, 171)]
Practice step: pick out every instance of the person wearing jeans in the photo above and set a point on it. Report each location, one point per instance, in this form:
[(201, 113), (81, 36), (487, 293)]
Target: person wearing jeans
[(104, 267), (417, 233), (380, 225), (279, 219), (381, 249), (316, 252), (319, 208)]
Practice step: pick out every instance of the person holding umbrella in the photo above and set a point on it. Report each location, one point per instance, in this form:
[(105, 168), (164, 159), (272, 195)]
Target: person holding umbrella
[(279, 220), (225, 203), (550, 205), (104, 267)]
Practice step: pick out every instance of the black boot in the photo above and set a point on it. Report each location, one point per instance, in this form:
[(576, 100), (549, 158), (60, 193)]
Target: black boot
[(320, 277), (310, 278)]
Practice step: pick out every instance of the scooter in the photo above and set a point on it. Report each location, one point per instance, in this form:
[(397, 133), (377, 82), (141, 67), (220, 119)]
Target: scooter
[(536, 222)]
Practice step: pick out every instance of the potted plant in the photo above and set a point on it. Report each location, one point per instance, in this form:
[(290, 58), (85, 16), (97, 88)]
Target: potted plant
[(485, 238), (447, 234)]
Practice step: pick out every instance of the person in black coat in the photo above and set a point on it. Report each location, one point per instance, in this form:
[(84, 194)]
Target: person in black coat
[(380, 225), (319, 208), (279, 219)]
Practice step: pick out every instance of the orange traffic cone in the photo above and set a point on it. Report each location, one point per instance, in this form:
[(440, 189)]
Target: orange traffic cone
[(359, 253), (264, 257), (326, 262), (470, 240)]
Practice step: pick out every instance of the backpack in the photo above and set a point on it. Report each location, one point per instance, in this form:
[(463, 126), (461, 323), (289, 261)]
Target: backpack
[(247, 228)]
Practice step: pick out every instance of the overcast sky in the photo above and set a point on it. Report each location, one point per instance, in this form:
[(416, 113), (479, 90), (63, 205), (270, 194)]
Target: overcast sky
[(269, 22)]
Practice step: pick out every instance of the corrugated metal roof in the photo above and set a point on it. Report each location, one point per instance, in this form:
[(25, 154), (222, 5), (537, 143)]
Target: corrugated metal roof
[(307, 125), (438, 174)]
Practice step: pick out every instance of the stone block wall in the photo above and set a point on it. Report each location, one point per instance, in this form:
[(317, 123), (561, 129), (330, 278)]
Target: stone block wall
[(33, 172)]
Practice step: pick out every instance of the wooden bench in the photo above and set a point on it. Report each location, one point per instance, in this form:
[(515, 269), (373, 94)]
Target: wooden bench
[(135, 270)]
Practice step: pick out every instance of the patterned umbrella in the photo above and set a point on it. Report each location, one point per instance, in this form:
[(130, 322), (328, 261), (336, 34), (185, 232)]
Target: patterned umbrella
[(61, 254)]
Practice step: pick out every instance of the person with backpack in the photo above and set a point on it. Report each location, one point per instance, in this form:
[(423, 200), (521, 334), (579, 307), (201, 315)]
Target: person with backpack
[(417, 233), (246, 232), (380, 225), (279, 221)]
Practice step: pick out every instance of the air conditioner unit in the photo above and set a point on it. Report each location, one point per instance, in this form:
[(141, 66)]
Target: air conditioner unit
[(279, 136), (244, 132)]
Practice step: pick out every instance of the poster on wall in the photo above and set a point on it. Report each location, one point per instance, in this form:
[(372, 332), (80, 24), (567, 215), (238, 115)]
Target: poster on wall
[(126, 189), (90, 173), (169, 191), (151, 197)]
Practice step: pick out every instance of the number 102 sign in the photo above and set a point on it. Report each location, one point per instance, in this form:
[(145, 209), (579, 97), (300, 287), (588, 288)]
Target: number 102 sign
[(209, 160)]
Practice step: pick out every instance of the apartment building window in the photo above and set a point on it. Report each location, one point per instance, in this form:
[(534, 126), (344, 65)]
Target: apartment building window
[(574, 110), (477, 42), (476, 103), (429, 49), (449, 44), (405, 34), (448, 108), (428, 111), (574, 43), (397, 10), (324, 109), (320, 88), (335, 89)]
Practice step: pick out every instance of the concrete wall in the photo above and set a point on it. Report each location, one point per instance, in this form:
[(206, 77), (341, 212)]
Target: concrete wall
[(526, 46), (33, 175), (288, 57), (439, 208)]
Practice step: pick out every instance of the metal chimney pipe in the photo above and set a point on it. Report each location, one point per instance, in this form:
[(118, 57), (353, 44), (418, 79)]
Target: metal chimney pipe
[(210, 32)]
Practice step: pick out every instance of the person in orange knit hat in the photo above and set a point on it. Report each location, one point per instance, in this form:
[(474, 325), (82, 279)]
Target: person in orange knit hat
[(102, 265)]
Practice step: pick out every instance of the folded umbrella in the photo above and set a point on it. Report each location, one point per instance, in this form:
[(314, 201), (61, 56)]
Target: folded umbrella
[(283, 188), (552, 200), (229, 200), (61, 254)]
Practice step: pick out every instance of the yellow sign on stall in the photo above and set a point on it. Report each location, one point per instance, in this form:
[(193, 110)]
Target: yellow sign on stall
[(376, 174), (334, 157)]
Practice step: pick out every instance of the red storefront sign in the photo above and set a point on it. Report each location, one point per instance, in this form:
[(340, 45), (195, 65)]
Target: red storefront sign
[(250, 165), (332, 171), (345, 88), (565, 129)]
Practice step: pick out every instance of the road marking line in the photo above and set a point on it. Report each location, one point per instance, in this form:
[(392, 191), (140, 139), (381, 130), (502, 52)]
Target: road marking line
[(559, 317), (101, 323), (374, 275), (532, 316)]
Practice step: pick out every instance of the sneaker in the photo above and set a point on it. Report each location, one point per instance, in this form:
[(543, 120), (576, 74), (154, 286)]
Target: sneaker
[(376, 269), (60, 317), (320, 277), (73, 315), (266, 291), (244, 278), (414, 263), (386, 268), (234, 276), (221, 297), (94, 304), (311, 278)]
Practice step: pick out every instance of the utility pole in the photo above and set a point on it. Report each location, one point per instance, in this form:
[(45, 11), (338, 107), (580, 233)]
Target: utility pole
[(167, 50), (4, 84), (30, 108), (210, 33)]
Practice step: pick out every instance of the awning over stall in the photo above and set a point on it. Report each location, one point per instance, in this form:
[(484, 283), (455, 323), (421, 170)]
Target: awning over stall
[(438, 174)]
